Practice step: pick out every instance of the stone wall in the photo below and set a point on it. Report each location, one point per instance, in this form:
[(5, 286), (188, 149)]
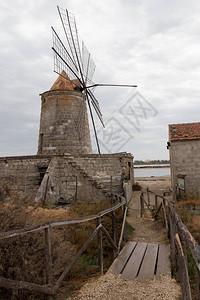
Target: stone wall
[(62, 178), (185, 160), (24, 173), (102, 167), (86, 177)]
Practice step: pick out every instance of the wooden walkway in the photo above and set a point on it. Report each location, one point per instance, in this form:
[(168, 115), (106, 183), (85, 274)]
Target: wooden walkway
[(142, 261)]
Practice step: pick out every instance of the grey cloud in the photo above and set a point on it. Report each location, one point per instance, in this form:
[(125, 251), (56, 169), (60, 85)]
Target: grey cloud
[(154, 44)]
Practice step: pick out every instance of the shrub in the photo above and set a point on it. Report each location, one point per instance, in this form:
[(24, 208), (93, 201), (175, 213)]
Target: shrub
[(136, 187)]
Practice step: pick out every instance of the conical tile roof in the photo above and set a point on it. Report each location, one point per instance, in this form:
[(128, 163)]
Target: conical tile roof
[(64, 83)]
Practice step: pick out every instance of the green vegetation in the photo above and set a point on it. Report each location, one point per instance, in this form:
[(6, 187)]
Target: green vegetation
[(130, 229)]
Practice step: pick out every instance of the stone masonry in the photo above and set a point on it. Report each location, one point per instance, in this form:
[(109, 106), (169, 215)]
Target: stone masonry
[(62, 178), (64, 126)]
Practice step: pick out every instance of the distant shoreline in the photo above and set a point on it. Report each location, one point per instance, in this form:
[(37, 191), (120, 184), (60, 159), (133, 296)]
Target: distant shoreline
[(150, 166), (153, 178)]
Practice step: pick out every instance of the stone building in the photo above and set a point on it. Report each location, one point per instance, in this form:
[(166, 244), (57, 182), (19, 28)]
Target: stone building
[(64, 126), (184, 149), (64, 168)]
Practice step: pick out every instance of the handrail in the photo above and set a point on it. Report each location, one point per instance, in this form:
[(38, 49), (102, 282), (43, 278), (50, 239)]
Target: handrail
[(41, 226), (180, 237), (51, 288)]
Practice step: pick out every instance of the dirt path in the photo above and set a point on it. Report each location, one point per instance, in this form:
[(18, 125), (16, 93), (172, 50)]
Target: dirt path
[(146, 228), (113, 287)]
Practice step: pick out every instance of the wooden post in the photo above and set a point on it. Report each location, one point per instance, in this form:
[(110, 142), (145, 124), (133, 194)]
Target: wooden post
[(141, 204), (148, 197), (198, 284), (156, 202), (114, 232), (111, 190), (183, 271), (76, 195), (49, 272), (125, 228), (165, 215), (113, 218), (100, 247), (122, 230), (171, 230)]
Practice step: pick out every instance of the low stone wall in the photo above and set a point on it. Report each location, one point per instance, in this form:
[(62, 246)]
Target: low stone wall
[(102, 167), (64, 178), (23, 172)]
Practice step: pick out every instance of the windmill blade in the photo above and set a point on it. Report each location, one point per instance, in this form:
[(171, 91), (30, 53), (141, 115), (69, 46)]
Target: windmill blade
[(69, 26), (88, 65), (96, 106), (92, 118), (62, 58), (110, 84)]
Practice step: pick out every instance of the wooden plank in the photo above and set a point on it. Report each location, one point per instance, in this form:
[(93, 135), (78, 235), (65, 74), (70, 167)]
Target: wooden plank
[(148, 265), (119, 263), (131, 269), (163, 264)]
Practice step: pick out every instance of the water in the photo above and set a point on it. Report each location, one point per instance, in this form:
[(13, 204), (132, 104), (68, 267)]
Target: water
[(148, 172)]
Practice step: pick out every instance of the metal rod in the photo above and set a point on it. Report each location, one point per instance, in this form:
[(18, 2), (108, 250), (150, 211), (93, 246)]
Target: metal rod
[(66, 33), (79, 65), (67, 65), (93, 123), (96, 109), (107, 84), (64, 48)]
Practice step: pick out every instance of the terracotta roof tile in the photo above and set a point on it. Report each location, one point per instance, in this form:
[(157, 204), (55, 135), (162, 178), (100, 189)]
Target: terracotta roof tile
[(64, 83), (185, 131)]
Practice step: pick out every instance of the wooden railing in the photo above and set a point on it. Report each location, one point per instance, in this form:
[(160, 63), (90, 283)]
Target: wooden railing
[(51, 287), (180, 239)]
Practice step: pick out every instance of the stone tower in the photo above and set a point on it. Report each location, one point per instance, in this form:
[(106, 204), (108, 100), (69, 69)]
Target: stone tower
[(64, 126)]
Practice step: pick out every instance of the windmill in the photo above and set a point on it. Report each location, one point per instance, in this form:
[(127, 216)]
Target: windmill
[(77, 64)]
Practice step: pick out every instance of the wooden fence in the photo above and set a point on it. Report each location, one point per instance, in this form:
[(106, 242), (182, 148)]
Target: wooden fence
[(180, 239), (51, 287)]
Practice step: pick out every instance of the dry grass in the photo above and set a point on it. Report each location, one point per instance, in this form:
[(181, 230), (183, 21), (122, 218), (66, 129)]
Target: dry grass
[(192, 200), (22, 258)]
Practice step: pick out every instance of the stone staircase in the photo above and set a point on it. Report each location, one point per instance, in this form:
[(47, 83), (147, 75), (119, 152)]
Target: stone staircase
[(99, 182)]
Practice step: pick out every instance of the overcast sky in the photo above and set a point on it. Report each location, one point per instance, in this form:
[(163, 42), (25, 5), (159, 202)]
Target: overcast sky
[(152, 43)]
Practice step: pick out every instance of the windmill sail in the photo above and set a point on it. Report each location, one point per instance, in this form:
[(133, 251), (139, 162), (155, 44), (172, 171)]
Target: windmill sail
[(78, 64), (69, 26), (88, 65), (96, 106), (62, 59)]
